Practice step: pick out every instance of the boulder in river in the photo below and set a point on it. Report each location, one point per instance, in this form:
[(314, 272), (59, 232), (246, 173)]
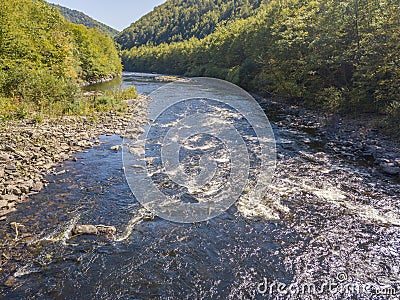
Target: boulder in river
[(106, 230), (94, 230), (391, 170), (115, 148), (85, 229)]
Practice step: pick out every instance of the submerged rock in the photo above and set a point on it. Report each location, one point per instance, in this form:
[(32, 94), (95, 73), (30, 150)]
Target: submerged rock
[(106, 230), (115, 148), (85, 229), (390, 170), (94, 230)]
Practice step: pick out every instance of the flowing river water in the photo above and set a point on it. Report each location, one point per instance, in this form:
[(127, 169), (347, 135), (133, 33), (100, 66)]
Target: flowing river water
[(333, 232)]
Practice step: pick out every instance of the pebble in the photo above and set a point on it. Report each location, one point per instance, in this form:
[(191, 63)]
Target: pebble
[(10, 167)]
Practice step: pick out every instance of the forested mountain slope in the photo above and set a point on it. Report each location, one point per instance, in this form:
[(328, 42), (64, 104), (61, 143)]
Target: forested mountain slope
[(341, 55), (178, 20), (43, 57), (78, 17)]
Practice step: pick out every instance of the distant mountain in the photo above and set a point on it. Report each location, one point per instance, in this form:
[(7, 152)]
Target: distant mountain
[(78, 17), (178, 20)]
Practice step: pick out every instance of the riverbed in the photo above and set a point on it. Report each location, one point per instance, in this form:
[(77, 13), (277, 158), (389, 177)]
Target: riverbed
[(336, 228)]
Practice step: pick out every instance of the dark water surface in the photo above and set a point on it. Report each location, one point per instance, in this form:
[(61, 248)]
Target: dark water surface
[(340, 226)]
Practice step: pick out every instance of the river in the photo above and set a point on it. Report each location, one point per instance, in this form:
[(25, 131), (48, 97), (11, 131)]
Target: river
[(337, 233)]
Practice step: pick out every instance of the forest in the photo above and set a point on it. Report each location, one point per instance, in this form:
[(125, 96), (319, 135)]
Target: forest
[(338, 55), (44, 58), (178, 20)]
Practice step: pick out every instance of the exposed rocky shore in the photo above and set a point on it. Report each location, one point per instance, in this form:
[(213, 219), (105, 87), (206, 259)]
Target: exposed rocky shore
[(29, 151), (354, 138)]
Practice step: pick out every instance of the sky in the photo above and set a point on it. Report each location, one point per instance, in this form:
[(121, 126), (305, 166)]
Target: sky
[(118, 14)]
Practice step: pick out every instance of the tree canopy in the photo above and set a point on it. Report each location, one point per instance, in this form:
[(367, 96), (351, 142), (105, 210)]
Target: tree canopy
[(178, 20), (335, 54)]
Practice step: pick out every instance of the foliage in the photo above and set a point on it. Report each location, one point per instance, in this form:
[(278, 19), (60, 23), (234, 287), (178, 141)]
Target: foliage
[(89, 105), (94, 53), (78, 17), (333, 54), (109, 100), (128, 93), (178, 20), (43, 57)]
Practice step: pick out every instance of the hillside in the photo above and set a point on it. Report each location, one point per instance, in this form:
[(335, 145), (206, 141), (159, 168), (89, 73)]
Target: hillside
[(43, 57), (178, 20), (342, 58), (78, 17)]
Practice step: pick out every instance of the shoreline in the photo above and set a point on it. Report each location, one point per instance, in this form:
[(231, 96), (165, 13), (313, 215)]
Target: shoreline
[(31, 151), (350, 138)]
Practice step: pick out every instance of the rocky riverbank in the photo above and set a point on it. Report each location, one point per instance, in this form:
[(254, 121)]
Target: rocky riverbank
[(353, 138), (30, 151)]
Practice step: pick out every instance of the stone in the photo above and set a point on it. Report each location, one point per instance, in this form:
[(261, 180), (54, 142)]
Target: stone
[(106, 230), (85, 229), (21, 154), (115, 148), (11, 204), (37, 186), (11, 167), (16, 191), (4, 157), (3, 203), (60, 172), (94, 230), (24, 189)]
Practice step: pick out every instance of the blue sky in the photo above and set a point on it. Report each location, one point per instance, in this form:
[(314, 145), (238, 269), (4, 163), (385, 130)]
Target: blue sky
[(118, 14)]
